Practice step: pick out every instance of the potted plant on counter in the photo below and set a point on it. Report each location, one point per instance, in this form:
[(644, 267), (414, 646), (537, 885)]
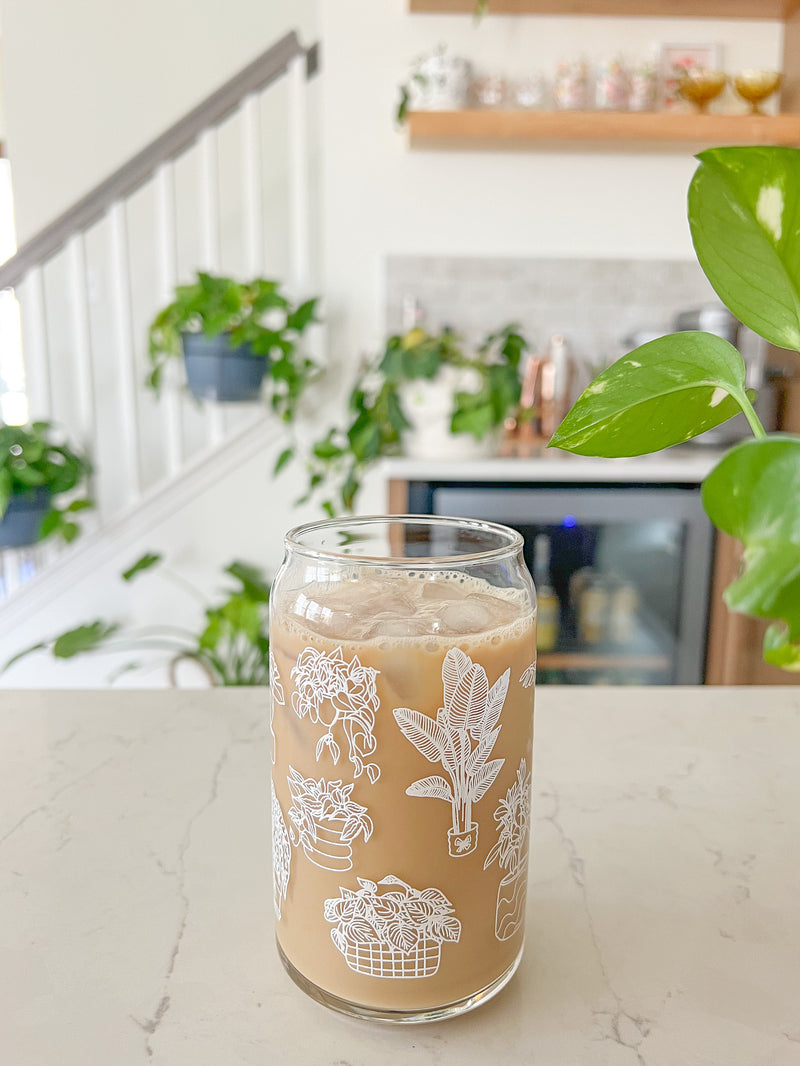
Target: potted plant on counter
[(231, 334), (426, 395), (35, 468), (744, 214)]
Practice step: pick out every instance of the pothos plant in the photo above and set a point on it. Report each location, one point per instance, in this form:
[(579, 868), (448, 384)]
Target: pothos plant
[(744, 214), (254, 313), (231, 646), (377, 421), (32, 457)]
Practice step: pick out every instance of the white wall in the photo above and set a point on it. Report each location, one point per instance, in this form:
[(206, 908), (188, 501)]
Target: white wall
[(87, 82)]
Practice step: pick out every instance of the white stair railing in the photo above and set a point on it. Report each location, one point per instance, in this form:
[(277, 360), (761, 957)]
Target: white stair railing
[(88, 284)]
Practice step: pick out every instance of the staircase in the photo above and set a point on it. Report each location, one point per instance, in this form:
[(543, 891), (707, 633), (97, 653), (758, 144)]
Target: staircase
[(226, 189)]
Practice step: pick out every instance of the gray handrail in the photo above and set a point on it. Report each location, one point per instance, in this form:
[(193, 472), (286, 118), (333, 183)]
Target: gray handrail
[(269, 66)]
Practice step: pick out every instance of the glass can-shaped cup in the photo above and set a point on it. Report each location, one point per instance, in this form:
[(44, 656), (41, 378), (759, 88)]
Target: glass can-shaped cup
[(403, 667)]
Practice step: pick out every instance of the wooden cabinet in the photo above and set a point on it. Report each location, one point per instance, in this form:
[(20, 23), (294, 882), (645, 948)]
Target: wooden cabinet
[(661, 131)]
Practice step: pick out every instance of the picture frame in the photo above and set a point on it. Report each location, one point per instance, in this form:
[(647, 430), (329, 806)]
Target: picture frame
[(676, 58)]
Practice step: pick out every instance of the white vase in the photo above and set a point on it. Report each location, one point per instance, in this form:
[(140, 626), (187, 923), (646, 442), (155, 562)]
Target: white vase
[(428, 406), (439, 82)]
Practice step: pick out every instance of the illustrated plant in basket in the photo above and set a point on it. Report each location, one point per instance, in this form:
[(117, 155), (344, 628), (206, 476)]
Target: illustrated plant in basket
[(326, 820), (35, 467), (333, 692), (384, 931), (511, 852), (461, 738), (231, 335)]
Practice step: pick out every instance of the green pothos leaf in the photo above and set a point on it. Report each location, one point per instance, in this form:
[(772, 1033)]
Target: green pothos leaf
[(663, 393), (83, 638), (744, 213), (754, 495)]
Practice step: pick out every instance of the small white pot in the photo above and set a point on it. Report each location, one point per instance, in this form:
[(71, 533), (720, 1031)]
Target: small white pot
[(428, 406), (443, 83)]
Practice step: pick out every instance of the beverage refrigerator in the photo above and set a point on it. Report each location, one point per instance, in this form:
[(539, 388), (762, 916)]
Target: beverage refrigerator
[(623, 573)]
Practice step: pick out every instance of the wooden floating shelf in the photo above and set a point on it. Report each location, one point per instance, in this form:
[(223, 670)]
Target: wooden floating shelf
[(736, 9), (612, 129), (600, 661)]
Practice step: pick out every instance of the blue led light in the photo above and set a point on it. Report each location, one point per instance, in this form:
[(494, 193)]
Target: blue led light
[(570, 521)]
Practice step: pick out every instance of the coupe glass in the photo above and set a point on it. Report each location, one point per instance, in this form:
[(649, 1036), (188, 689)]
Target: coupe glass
[(755, 86), (701, 86)]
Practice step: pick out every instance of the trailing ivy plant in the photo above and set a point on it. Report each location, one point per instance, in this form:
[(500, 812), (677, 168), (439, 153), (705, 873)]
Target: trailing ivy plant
[(255, 313), (231, 646), (744, 214), (377, 422), (32, 457)]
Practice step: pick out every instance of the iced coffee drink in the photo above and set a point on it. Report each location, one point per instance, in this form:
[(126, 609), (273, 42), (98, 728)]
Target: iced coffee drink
[(403, 662)]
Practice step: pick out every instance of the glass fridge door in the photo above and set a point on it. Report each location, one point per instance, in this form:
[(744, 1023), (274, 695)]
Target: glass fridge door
[(622, 575)]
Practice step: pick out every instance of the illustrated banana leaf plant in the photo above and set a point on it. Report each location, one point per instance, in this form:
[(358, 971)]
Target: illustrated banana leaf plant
[(461, 739), (744, 215)]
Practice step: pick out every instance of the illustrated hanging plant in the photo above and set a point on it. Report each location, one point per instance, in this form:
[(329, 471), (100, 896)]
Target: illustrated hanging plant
[(333, 692), (461, 738)]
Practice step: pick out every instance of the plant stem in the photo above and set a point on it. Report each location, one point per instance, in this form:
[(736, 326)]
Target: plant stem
[(750, 414)]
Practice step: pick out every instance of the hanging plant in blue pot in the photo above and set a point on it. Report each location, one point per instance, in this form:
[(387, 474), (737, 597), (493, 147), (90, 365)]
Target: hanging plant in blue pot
[(35, 468), (232, 336)]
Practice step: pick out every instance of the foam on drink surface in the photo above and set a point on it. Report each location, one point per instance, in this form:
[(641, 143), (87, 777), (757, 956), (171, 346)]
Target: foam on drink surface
[(390, 608)]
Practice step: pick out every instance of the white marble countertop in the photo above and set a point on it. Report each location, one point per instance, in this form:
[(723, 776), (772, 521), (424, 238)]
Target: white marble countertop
[(136, 894), (678, 466)]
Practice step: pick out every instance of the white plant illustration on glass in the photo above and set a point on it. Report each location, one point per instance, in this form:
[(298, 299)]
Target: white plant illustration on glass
[(383, 931), (325, 820), (461, 738), (529, 676), (277, 697), (281, 854), (511, 852), (333, 692)]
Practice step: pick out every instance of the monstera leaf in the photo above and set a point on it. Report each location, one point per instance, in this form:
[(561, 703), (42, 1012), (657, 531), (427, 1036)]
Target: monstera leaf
[(754, 495)]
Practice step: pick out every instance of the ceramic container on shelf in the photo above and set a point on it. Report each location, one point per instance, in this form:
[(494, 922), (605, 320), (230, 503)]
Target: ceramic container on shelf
[(439, 82)]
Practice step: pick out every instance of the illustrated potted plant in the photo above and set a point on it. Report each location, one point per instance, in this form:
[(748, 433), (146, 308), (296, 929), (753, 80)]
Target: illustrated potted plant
[(744, 214), (461, 738), (230, 647), (35, 468), (424, 394), (383, 931), (511, 853), (326, 820), (231, 335)]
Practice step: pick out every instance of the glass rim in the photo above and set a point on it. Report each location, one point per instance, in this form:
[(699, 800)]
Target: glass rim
[(513, 541)]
